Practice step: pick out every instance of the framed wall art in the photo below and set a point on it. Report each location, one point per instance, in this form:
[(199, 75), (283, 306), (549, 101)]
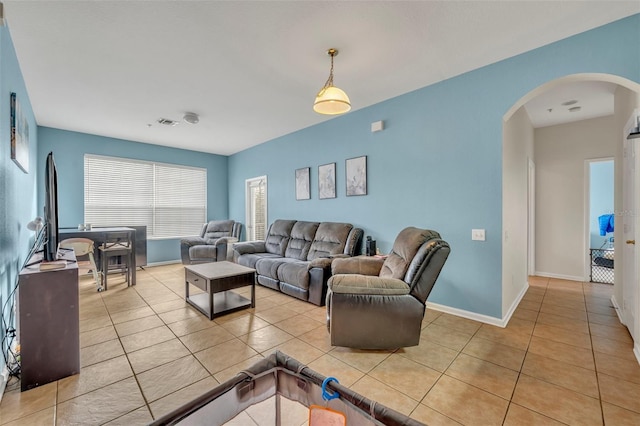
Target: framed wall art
[(327, 181), (356, 175), (19, 135), (303, 191)]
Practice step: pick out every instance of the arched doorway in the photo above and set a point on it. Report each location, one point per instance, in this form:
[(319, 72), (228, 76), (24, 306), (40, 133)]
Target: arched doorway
[(518, 140)]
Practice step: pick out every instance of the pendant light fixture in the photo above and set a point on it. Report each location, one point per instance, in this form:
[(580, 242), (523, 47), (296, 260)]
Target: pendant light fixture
[(331, 100)]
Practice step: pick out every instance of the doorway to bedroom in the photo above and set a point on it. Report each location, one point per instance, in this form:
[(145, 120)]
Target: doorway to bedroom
[(600, 219)]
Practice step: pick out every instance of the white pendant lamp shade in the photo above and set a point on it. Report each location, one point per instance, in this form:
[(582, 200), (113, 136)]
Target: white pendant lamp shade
[(331, 100)]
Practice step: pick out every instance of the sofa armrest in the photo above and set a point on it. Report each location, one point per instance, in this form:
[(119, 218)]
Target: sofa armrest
[(363, 265), (249, 247), (366, 284), (192, 241), (225, 241)]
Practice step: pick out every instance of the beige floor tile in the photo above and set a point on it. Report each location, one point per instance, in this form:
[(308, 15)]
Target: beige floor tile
[(132, 314), (101, 405), (601, 309), (276, 314), (385, 395), (156, 355), (168, 378), (137, 341), (16, 404), (363, 360), (504, 336), (622, 368), (615, 348), (244, 325), (538, 282), (293, 413), (465, 403), (138, 325), (177, 399), (530, 305), (578, 379), (563, 322), (300, 306), (575, 314), (463, 325), (525, 314), (430, 354), (94, 377), (318, 337), (557, 402), (619, 392), (620, 334), (179, 314), (520, 326), (242, 419), (141, 416), (101, 352), (618, 416), (329, 366), (562, 335), (490, 377), (431, 417), (297, 349), (88, 312), (171, 305), (46, 417), (430, 315), (95, 322), (98, 335), (494, 352), (562, 352), (190, 325), (206, 338), (318, 314), (229, 372), (224, 355), (266, 338), (520, 416), (298, 325), (406, 376), (445, 336), (564, 303), (604, 319)]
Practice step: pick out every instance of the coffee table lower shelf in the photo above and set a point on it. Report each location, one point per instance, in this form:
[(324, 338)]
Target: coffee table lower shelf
[(224, 302)]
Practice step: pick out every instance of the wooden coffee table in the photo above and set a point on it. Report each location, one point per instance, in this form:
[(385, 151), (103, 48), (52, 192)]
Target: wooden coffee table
[(216, 280)]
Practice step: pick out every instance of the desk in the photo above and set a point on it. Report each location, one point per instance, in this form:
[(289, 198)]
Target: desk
[(99, 235)]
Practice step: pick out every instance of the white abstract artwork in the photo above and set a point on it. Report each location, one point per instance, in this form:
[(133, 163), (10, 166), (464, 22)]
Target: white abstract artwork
[(302, 184), (356, 176), (327, 181)]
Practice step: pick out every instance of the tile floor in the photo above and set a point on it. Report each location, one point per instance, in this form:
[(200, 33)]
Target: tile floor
[(563, 359)]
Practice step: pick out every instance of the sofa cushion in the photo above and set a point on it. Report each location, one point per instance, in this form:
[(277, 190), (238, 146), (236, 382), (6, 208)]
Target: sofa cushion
[(302, 235), (217, 229), (250, 259), (268, 266), (330, 239), (278, 236), (404, 249), (295, 274)]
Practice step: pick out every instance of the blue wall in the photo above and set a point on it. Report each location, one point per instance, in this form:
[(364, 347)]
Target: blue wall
[(17, 189), (601, 187), (437, 164), (69, 149)]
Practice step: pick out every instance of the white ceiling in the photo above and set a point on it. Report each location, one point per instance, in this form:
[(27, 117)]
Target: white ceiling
[(252, 69)]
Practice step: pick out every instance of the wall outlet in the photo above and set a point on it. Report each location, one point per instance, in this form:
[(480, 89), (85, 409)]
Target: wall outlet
[(477, 234)]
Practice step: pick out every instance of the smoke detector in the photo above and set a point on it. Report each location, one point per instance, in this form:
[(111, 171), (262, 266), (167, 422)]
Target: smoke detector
[(167, 122), (191, 118)]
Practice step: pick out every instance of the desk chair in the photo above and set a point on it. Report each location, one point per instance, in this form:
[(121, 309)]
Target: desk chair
[(116, 244), (83, 247)]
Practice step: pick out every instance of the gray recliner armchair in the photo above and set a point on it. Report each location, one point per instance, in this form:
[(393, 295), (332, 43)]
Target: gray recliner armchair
[(375, 303), (213, 244)]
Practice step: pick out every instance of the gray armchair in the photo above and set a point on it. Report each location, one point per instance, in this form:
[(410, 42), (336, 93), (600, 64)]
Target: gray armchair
[(213, 244), (375, 303)]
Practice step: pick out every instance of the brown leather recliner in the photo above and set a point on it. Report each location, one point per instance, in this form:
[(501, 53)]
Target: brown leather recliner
[(375, 303)]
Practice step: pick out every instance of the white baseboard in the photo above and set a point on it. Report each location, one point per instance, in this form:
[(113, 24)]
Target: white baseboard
[(514, 305), (166, 262), (614, 302), (561, 276), (466, 314)]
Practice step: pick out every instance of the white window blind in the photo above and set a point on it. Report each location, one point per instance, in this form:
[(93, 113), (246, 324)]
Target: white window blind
[(170, 200)]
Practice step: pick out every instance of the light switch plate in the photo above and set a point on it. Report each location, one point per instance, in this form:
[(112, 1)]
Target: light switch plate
[(477, 234)]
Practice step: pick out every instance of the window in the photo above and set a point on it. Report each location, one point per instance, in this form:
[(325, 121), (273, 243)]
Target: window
[(170, 200), (256, 208)]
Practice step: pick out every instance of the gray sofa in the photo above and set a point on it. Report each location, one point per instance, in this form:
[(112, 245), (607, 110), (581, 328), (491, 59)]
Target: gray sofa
[(213, 244), (296, 256)]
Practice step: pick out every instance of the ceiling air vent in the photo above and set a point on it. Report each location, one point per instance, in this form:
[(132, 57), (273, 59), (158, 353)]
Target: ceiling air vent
[(167, 122)]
